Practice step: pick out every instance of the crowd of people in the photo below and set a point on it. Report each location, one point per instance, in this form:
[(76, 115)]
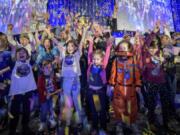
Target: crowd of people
[(80, 71)]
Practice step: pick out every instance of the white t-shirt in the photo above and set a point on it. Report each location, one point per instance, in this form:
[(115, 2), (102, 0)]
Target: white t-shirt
[(70, 65), (22, 79)]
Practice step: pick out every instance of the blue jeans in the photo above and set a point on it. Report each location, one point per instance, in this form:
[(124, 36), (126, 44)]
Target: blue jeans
[(71, 90), (46, 108)]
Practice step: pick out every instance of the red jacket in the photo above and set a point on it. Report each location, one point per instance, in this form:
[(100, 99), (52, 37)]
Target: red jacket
[(42, 87)]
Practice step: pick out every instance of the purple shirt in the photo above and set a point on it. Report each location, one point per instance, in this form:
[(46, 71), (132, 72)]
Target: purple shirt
[(153, 72)]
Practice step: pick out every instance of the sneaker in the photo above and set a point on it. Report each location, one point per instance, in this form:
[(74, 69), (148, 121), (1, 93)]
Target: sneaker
[(135, 129), (94, 132), (119, 129), (80, 127), (60, 123), (41, 127), (10, 115), (143, 110), (102, 132), (52, 123), (147, 131), (173, 125), (153, 127), (158, 109)]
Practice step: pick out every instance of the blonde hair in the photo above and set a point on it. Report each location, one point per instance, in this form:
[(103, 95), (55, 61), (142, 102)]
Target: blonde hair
[(24, 35), (99, 52), (165, 36)]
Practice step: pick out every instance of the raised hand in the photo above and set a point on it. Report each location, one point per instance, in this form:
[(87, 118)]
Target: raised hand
[(137, 34), (48, 30), (87, 26), (90, 39), (137, 37), (37, 26), (46, 16), (157, 26), (165, 26), (77, 15), (27, 29)]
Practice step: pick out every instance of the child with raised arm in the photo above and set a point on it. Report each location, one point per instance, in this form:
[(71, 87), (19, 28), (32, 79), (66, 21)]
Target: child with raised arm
[(71, 83), (21, 88), (96, 74), (125, 80)]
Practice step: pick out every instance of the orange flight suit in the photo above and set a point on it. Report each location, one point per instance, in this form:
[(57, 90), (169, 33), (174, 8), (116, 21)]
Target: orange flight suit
[(125, 77)]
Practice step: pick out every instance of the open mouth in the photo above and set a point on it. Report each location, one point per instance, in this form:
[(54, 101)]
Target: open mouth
[(22, 57), (70, 51)]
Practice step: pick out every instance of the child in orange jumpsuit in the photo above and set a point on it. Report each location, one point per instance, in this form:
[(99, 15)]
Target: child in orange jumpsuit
[(125, 80)]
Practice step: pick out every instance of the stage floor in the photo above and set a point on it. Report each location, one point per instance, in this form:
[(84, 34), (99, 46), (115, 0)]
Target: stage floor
[(141, 122)]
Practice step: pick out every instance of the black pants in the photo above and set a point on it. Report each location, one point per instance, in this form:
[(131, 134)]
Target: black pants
[(144, 93), (152, 92), (16, 103), (97, 117), (171, 85)]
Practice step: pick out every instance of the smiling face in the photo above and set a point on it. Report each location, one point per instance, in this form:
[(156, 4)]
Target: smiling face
[(127, 37), (24, 41), (71, 48), (47, 69), (165, 40), (22, 55), (153, 51), (47, 44), (10, 27), (124, 47), (97, 60), (137, 40), (154, 47)]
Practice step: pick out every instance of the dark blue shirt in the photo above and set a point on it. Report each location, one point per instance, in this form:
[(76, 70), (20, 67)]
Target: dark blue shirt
[(5, 61), (95, 77)]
